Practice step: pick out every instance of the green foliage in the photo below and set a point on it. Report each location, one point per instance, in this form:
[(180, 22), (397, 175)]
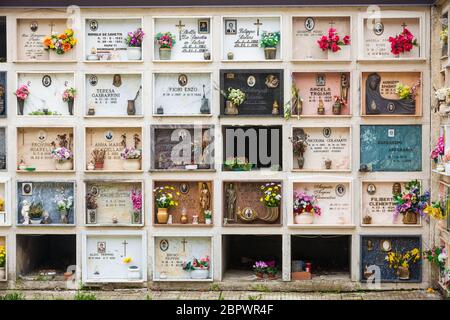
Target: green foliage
[(80, 295), (13, 296), (260, 287), (255, 298), (269, 39)]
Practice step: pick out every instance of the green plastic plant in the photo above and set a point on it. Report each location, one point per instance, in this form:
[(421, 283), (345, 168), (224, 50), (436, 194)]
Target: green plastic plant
[(269, 39), (36, 210)]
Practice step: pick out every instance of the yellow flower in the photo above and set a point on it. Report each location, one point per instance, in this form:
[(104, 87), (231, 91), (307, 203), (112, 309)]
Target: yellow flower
[(126, 260), (69, 32)]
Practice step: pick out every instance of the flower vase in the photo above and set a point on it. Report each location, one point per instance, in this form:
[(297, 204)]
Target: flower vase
[(134, 53), (136, 217), (165, 53), (63, 217), (70, 106), (259, 275), (304, 218), (134, 273), (162, 215), (131, 164), (300, 161), (64, 165), (52, 55), (199, 274), (231, 108), (131, 108), (20, 105), (410, 217), (403, 273), (270, 53)]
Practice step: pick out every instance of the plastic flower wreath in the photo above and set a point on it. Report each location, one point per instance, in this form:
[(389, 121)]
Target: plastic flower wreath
[(411, 200), (403, 42), (438, 149), (333, 42)]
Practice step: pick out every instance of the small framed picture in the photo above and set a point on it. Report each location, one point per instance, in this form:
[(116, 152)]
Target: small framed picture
[(27, 189), (203, 26), (230, 26)]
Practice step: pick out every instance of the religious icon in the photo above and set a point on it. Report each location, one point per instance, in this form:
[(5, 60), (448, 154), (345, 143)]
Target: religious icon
[(386, 245), (230, 202), (93, 80), (182, 80), (391, 133), (27, 189), (309, 24), (326, 132), (371, 189), (321, 79), (42, 135), (109, 135), (230, 27), (272, 81), (340, 190), (345, 84), (203, 26), (184, 188), (251, 81), (378, 28), (46, 81), (205, 197), (164, 245), (369, 245), (101, 247), (34, 26), (396, 188), (93, 25), (117, 80)]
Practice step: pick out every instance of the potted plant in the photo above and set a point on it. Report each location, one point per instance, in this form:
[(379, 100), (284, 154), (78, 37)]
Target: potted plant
[(59, 43), (69, 97), (22, 94), (36, 212), (166, 41), (269, 41), (131, 155), (299, 145), (271, 199), (98, 157), (164, 199), (64, 204), (91, 207), (197, 268), (136, 200), (411, 202), (271, 270), (333, 43), (442, 96), (208, 216), (2, 262), (260, 268), (305, 207), (403, 42), (134, 43), (233, 99), (237, 164), (401, 262)]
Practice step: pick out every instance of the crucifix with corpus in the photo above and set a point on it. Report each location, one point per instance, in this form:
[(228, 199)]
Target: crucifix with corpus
[(125, 248), (180, 27), (257, 24), (51, 25)]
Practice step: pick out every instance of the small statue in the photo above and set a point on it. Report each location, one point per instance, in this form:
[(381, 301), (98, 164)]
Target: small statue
[(275, 108), (231, 202), (321, 108), (25, 212), (46, 218), (344, 87), (205, 197)]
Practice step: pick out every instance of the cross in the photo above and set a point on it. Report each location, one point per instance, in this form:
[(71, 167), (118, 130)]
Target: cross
[(180, 27), (184, 244), (404, 25), (257, 24), (51, 25), (331, 23), (125, 248)]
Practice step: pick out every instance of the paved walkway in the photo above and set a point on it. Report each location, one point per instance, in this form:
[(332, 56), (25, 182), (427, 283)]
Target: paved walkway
[(142, 294)]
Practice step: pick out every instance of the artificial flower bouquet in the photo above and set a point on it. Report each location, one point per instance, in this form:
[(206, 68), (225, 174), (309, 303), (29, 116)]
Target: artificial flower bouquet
[(437, 256), (63, 202), (165, 197), (61, 154), (236, 96), (165, 40), (197, 264), (439, 149), (398, 260), (134, 39), (403, 42), (304, 203), (69, 94), (271, 194), (333, 41), (22, 92), (136, 200), (404, 91), (411, 203), (130, 153), (269, 39), (60, 42)]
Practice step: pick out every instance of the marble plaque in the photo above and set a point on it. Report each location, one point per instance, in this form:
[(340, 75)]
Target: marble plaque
[(171, 252), (328, 143), (241, 37), (47, 193), (377, 32), (333, 198), (108, 36), (306, 31), (378, 202), (113, 199), (375, 248), (106, 257), (263, 90), (3, 94), (31, 32), (260, 145), (322, 88), (391, 148), (34, 146), (182, 94), (192, 35), (379, 97), (110, 139), (46, 91), (109, 94), (182, 147)]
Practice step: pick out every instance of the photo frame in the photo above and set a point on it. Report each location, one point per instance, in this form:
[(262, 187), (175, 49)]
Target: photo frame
[(27, 189), (230, 26), (203, 26)]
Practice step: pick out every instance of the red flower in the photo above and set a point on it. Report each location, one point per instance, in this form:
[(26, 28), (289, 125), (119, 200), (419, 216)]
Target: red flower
[(333, 41), (346, 40), (404, 42)]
